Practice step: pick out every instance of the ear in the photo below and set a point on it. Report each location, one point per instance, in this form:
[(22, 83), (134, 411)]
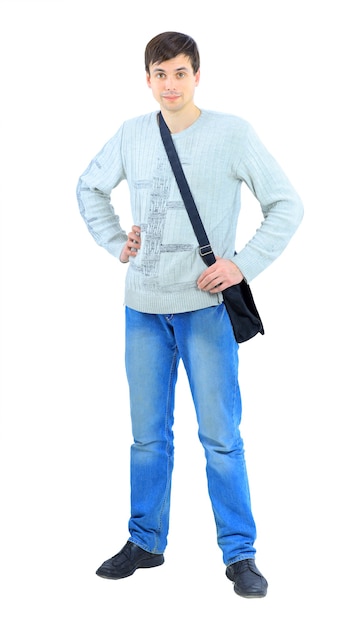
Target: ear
[(197, 77), (148, 79)]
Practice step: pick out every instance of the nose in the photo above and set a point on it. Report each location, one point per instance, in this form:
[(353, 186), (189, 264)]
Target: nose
[(169, 84)]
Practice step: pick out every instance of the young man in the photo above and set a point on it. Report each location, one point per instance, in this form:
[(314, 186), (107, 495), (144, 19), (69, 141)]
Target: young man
[(174, 306)]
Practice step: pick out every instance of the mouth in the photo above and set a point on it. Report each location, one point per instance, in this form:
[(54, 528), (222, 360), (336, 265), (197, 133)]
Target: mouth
[(171, 96)]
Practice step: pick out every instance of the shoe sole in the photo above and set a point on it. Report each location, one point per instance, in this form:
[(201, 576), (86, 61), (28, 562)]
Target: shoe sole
[(249, 595)]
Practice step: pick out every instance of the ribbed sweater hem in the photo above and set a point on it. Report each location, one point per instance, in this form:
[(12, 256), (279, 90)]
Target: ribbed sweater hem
[(166, 304)]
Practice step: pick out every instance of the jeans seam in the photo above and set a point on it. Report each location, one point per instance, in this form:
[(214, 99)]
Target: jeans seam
[(169, 473)]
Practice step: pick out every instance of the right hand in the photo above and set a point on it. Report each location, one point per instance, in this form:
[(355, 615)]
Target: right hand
[(132, 246)]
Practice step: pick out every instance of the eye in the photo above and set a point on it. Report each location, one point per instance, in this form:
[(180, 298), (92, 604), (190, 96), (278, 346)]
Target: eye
[(160, 75), (181, 75)]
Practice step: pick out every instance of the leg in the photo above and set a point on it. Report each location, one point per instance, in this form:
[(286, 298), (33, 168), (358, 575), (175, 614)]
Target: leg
[(210, 354), (151, 359)]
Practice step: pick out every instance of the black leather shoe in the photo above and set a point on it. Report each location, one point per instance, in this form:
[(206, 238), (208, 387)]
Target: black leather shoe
[(248, 581), (129, 559)]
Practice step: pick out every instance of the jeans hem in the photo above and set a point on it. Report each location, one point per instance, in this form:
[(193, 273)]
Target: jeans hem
[(243, 557), (143, 547)]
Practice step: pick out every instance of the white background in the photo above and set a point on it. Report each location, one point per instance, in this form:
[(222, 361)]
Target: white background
[(71, 73)]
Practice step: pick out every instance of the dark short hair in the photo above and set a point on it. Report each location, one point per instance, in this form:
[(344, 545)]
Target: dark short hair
[(168, 45)]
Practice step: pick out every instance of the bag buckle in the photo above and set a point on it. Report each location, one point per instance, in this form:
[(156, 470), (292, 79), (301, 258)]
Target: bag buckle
[(204, 250)]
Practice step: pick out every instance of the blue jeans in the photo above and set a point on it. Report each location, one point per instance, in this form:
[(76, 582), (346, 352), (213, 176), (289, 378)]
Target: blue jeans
[(205, 342)]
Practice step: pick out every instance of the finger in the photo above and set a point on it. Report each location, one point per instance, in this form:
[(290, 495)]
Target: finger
[(134, 240), (133, 236), (210, 280), (212, 285), (205, 278), (217, 288)]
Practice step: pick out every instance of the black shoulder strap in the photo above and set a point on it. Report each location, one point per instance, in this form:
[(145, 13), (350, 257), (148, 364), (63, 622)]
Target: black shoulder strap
[(205, 248)]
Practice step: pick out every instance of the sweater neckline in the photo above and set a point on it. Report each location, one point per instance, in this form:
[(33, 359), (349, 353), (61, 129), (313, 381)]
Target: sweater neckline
[(187, 130)]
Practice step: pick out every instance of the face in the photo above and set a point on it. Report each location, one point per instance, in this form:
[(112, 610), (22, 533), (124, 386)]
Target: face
[(173, 83)]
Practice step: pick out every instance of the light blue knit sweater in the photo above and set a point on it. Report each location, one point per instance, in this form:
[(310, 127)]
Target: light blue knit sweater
[(218, 152)]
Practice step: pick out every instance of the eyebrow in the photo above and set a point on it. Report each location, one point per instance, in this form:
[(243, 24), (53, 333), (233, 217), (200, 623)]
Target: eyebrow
[(177, 69)]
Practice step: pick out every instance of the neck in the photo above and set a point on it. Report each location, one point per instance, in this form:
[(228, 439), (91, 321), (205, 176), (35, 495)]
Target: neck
[(178, 121)]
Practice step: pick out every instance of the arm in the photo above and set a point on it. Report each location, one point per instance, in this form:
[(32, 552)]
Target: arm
[(282, 210), (281, 206), (94, 189)]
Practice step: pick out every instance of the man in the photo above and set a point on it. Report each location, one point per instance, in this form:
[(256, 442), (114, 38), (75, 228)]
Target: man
[(174, 306)]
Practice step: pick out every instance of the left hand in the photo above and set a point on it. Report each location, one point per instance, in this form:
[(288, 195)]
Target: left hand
[(219, 276)]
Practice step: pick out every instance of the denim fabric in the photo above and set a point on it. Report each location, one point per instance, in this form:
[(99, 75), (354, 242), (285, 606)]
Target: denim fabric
[(205, 342)]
